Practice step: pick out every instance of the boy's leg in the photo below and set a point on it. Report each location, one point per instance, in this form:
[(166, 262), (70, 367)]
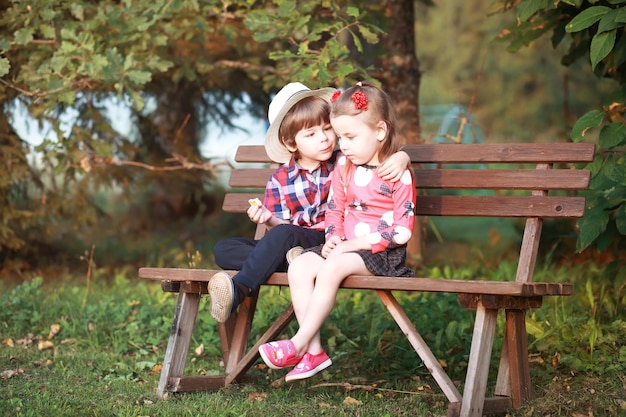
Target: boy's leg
[(231, 253), (267, 257), (269, 254)]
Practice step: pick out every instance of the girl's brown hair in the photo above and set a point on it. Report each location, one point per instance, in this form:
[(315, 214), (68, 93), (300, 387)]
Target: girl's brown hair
[(308, 112), (377, 106)]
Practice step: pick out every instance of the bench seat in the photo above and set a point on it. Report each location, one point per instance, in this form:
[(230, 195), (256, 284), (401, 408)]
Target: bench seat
[(192, 280)]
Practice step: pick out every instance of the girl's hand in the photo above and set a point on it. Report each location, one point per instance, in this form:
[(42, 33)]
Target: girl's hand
[(330, 245), (394, 166), (259, 214)]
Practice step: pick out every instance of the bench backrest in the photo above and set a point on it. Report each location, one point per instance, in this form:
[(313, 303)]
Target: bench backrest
[(523, 180)]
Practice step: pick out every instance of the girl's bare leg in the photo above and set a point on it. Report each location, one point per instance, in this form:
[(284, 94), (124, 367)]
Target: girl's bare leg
[(321, 301)]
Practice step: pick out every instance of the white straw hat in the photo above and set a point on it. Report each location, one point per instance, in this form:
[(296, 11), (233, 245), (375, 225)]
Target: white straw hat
[(284, 100)]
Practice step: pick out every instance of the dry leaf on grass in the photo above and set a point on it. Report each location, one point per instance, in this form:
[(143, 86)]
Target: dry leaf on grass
[(45, 344), (199, 350), (257, 396), (351, 401), (10, 373), (8, 342), (54, 330)]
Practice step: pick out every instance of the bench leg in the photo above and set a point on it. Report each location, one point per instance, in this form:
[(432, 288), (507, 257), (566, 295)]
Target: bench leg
[(517, 344), (180, 338), (235, 333), (503, 383), (478, 366), (420, 346)]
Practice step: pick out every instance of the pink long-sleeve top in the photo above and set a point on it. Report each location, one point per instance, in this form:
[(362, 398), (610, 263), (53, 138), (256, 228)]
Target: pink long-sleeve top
[(384, 211)]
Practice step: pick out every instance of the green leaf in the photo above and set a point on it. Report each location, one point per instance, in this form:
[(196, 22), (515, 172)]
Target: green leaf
[(139, 77), (590, 119), (621, 15), (5, 66), (47, 31), (601, 45), (353, 11), (369, 36), (24, 36), (47, 14), (586, 18), (609, 21), (620, 219), (591, 225), (136, 99), (575, 3), (527, 9), (357, 42), (613, 135), (158, 64)]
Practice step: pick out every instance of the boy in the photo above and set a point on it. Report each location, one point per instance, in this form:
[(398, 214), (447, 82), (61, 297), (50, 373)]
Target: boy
[(301, 138)]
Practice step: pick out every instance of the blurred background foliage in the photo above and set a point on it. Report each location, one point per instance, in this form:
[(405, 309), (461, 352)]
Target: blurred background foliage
[(182, 71)]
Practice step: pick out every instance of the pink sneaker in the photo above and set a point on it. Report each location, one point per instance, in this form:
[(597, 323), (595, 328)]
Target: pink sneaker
[(279, 354), (309, 366)]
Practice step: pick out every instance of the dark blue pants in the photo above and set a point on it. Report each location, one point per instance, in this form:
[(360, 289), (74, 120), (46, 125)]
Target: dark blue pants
[(256, 260)]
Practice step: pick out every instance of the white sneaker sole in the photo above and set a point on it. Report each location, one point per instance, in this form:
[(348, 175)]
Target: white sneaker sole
[(305, 375), (222, 294)]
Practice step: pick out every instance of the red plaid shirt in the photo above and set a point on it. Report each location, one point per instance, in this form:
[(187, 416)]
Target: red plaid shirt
[(299, 195)]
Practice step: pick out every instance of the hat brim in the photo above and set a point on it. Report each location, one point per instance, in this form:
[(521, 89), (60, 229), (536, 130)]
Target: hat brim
[(274, 147)]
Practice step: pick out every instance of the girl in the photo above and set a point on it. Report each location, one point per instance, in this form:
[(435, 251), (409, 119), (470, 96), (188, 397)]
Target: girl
[(368, 223)]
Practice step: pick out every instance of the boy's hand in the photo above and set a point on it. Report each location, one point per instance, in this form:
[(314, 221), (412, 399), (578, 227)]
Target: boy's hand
[(258, 213), (393, 168)]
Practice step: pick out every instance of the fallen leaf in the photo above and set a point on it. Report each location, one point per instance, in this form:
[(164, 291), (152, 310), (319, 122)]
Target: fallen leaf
[(278, 382), (91, 327), (45, 344), (199, 350), (257, 396), (54, 330), (68, 342), (8, 342), (157, 368), (8, 374), (30, 338), (352, 401), (443, 363)]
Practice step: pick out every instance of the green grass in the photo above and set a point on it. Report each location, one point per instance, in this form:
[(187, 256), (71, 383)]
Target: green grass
[(105, 359)]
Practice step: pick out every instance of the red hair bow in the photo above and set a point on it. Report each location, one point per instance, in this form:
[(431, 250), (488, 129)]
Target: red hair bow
[(360, 100)]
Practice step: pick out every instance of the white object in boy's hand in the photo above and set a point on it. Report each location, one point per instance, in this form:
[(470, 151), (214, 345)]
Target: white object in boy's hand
[(255, 202)]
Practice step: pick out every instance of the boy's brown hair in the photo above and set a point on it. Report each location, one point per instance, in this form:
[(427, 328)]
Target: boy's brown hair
[(308, 112)]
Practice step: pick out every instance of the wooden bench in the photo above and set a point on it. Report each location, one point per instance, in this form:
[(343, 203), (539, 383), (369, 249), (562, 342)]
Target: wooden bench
[(529, 171)]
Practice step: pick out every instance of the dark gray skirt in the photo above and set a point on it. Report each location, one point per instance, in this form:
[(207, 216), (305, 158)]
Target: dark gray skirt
[(389, 263)]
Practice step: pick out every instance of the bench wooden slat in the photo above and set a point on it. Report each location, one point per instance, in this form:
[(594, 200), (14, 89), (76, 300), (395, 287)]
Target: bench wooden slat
[(189, 279), (468, 179), (474, 206), (470, 153), (496, 206), (492, 179)]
